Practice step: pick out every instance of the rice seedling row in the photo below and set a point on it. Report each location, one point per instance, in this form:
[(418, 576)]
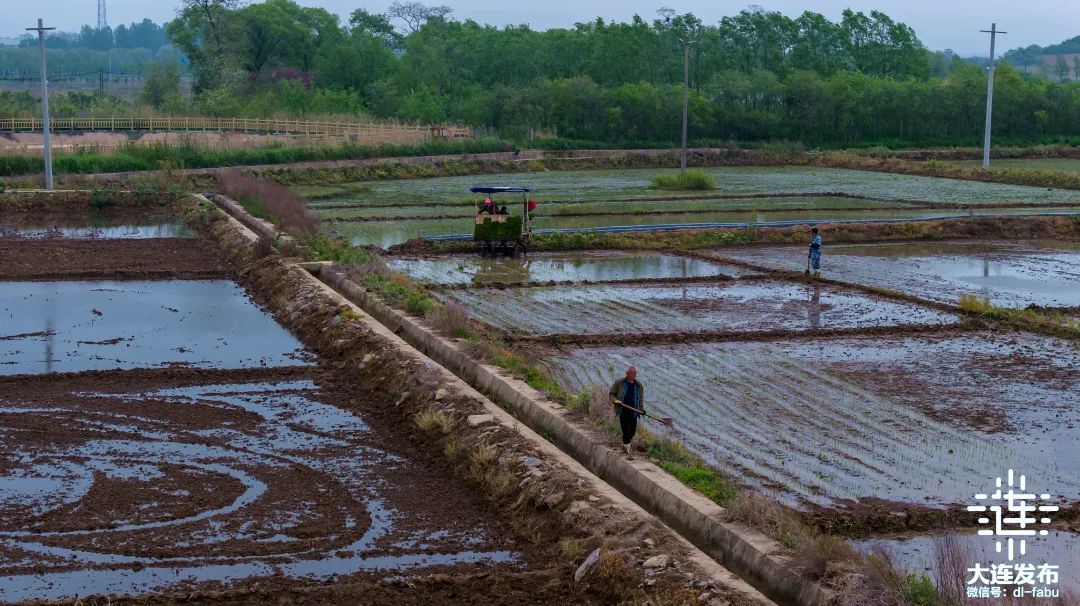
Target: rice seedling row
[(787, 423)]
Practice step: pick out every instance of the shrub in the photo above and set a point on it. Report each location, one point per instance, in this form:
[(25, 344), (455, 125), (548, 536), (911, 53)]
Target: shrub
[(690, 180), (101, 198)]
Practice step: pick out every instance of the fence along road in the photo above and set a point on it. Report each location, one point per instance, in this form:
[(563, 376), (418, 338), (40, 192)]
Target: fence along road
[(363, 133)]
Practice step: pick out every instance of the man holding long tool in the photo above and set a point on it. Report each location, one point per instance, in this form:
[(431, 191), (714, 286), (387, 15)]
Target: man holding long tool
[(628, 396)]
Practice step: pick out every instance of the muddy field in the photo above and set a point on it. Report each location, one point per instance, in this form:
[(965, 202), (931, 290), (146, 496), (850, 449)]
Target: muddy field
[(1012, 274), (145, 481), (163, 434), (134, 259)]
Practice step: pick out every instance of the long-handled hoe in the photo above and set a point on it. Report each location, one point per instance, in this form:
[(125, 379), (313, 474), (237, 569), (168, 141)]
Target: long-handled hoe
[(808, 264), (662, 420)]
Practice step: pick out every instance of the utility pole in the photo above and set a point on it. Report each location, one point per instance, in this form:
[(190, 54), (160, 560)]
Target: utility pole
[(685, 101), (993, 31), (41, 29)]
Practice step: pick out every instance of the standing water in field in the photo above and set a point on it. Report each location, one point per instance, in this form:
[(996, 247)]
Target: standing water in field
[(592, 266), (77, 326), (1008, 274)]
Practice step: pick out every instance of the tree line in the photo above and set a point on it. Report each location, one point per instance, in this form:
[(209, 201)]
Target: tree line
[(757, 75), (144, 34)]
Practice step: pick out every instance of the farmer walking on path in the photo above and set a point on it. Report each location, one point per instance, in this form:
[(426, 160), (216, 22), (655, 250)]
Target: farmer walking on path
[(815, 252), (628, 394)]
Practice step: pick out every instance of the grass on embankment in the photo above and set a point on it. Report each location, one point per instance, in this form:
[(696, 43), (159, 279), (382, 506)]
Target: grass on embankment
[(1041, 320)]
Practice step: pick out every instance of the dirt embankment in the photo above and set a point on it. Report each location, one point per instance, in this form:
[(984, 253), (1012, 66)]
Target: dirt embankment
[(547, 504), (149, 259)]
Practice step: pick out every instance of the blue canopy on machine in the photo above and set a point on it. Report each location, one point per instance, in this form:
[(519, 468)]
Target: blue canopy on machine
[(499, 190)]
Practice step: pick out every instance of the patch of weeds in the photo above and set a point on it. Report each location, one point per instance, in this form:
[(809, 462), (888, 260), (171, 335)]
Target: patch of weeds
[(434, 420), (572, 550), (921, 591), (548, 434), (451, 447), (482, 458), (690, 180), (615, 574), (418, 303), (326, 248), (451, 319), (706, 481), (101, 198), (1036, 319), (351, 314)]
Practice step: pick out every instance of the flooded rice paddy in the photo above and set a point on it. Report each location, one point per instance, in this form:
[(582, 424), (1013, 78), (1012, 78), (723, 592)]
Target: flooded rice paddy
[(385, 234), (73, 326), (1012, 274), (591, 266), (637, 308), (608, 184), (358, 208), (919, 554), (822, 421), (155, 486), (105, 232)]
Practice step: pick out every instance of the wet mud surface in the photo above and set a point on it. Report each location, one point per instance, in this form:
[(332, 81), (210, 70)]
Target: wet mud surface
[(153, 480), (822, 422), (131, 259), (1009, 274), (751, 306), (73, 326), (593, 266)]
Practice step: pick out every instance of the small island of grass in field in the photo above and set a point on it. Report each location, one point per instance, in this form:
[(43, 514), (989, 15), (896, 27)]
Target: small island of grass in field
[(690, 180)]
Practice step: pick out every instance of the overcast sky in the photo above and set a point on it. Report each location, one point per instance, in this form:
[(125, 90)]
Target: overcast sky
[(941, 24)]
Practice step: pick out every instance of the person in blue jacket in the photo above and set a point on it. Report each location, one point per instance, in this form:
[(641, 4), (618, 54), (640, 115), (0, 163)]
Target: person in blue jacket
[(815, 252), (629, 391)]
